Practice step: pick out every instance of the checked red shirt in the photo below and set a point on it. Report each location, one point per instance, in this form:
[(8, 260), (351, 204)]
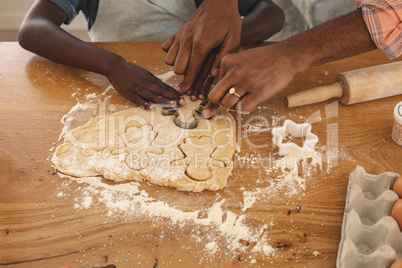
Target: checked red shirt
[(383, 19)]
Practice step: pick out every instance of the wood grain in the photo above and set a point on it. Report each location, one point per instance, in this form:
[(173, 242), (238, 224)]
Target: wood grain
[(39, 229)]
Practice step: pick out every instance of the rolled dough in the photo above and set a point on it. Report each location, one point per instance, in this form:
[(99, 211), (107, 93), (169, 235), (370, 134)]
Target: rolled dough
[(135, 144)]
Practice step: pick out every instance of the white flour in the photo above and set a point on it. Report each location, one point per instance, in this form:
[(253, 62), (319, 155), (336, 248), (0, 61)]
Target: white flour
[(127, 199), (166, 76), (286, 178)]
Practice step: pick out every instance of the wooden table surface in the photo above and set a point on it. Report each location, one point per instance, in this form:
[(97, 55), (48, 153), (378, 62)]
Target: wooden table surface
[(38, 228)]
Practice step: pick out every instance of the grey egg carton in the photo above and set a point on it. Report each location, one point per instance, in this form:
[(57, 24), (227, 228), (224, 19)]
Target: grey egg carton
[(371, 238)]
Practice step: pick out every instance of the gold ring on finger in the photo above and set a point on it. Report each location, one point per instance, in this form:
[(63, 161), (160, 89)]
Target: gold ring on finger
[(232, 91)]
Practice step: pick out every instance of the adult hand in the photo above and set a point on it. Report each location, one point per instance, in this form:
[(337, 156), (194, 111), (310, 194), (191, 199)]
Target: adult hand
[(141, 87), (204, 80), (214, 24), (256, 74)]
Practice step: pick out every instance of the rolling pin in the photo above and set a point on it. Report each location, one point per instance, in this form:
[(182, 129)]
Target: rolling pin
[(355, 86)]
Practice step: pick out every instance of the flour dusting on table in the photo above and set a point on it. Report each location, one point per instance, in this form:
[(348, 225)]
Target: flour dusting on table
[(128, 200)]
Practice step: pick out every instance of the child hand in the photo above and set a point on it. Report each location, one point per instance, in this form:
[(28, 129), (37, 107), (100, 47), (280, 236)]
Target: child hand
[(141, 87)]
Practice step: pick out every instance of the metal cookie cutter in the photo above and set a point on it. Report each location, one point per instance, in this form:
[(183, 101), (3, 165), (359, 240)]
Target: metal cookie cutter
[(196, 114), (178, 117), (296, 130)]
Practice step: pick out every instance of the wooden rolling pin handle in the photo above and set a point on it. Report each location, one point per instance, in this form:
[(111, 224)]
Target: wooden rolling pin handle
[(314, 95)]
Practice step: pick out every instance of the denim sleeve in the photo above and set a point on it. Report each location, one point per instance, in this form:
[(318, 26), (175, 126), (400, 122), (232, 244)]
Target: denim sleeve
[(73, 7), (70, 7), (245, 6)]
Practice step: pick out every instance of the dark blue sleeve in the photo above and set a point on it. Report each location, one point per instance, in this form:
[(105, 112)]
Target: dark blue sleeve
[(245, 6), (73, 7)]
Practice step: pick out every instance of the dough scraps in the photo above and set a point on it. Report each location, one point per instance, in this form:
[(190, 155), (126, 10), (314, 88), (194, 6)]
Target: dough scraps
[(135, 144)]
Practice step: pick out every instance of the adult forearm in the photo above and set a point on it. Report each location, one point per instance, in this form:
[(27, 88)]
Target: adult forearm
[(50, 41), (260, 73), (336, 39)]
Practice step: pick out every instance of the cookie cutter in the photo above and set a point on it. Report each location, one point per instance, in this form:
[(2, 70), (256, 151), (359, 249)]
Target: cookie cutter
[(297, 130), (197, 114), (167, 111), (203, 82)]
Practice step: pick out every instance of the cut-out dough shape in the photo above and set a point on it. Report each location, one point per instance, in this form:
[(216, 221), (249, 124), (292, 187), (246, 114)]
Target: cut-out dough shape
[(107, 145), (139, 149), (199, 159), (183, 118)]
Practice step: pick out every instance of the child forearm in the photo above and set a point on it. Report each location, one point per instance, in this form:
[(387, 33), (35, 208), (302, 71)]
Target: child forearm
[(47, 39), (265, 20), (40, 33)]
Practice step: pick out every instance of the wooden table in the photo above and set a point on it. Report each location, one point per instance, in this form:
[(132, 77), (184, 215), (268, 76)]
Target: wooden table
[(40, 229)]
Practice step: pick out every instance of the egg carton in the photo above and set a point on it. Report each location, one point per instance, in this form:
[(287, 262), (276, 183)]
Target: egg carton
[(371, 238)]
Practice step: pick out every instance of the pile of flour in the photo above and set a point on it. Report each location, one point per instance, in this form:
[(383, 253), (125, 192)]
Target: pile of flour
[(125, 200)]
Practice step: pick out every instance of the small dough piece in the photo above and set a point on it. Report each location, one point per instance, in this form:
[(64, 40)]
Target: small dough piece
[(135, 144)]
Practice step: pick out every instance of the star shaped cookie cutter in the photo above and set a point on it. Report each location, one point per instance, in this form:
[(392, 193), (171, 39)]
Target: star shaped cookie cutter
[(297, 130)]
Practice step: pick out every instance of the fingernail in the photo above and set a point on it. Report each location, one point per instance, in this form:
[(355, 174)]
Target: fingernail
[(206, 113), (178, 88), (173, 102), (193, 98), (215, 72), (182, 102)]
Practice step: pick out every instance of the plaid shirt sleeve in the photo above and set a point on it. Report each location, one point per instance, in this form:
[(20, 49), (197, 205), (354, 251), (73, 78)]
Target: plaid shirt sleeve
[(383, 19)]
